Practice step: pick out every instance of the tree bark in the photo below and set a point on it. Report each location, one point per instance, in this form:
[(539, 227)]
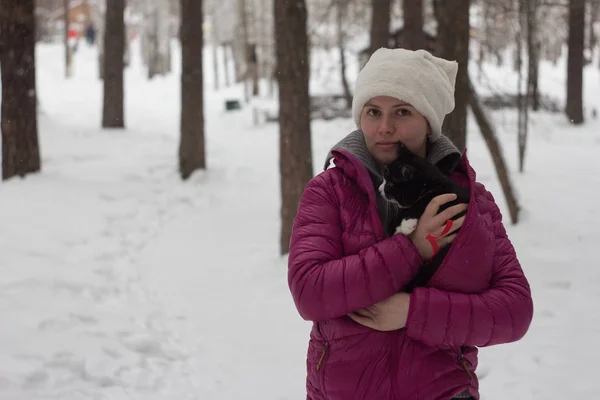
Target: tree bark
[(380, 24), (531, 9), (453, 41), (99, 21), (341, 4), (215, 51), (491, 139), (413, 34), (253, 71), (157, 37), (152, 40), (246, 54), (574, 108), (523, 98), (295, 154), (594, 7), (68, 52), (191, 148), (114, 53), (18, 120), (226, 61)]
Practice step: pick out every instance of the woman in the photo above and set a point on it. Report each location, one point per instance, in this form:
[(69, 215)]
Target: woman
[(346, 269)]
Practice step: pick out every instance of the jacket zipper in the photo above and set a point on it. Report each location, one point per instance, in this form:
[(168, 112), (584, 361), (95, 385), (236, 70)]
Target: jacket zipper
[(321, 367), (463, 362), (322, 358)]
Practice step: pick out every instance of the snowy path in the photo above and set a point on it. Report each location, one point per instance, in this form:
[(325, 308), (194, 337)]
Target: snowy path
[(73, 292), (219, 266)]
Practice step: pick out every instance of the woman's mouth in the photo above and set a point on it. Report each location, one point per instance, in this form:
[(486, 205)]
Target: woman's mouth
[(386, 145)]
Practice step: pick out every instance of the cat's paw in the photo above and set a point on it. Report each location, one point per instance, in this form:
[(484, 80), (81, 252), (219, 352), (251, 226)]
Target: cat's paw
[(407, 226)]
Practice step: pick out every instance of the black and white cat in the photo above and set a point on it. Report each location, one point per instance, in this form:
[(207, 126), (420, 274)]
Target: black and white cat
[(411, 182)]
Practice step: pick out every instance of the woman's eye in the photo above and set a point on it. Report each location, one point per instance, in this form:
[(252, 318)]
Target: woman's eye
[(403, 111), (373, 112)]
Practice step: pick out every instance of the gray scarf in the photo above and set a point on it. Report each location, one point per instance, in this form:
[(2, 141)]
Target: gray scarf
[(440, 150)]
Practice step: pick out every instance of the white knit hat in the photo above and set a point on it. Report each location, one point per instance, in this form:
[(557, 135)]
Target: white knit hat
[(417, 77)]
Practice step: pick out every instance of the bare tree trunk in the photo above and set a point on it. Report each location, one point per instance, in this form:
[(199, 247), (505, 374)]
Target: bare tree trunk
[(413, 34), (99, 21), (295, 154), (226, 62), (151, 25), (484, 46), (574, 108), (242, 11), (444, 39), (453, 39), (114, 52), (491, 139), (68, 52), (215, 48), (341, 5), (380, 24), (531, 10), (18, 120), (523, 99), (594, 8), (253, 71), (157, 34), (238, 55), (253, 62), (191, 147)]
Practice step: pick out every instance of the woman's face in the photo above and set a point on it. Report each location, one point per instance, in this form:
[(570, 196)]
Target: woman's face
[(386, 120)]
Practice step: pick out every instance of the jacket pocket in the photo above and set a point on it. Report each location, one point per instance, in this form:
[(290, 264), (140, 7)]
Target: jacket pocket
[(318, 352)]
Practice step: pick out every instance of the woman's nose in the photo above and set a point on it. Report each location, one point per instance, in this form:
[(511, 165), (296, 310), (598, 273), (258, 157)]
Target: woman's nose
[(386, 126)]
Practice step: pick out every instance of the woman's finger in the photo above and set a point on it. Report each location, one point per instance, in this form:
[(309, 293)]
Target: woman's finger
[(449, 213), (434, 205), (368, 322), (456, 225), (446, 240), (365, 312)]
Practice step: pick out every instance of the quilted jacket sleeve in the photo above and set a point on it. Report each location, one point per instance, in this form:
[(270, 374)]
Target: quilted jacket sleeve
[(324, 282), (502, 314)]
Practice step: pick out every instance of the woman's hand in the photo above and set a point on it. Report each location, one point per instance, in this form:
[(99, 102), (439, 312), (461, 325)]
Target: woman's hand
[(434, 225), (387, 315)]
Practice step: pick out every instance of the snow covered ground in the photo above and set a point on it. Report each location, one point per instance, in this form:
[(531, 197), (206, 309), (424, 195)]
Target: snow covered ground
[(118, 281)]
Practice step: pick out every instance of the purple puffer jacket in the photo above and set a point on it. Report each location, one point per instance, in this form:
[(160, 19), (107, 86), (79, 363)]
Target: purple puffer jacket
[(341, 260)]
